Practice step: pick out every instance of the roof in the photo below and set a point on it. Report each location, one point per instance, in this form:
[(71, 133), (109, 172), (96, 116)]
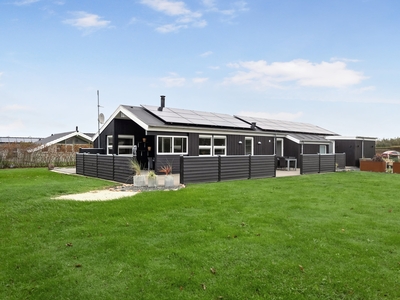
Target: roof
[(307, 138), (195, 118), (11, 139), (285, 126), (154, 118), (59, 137)]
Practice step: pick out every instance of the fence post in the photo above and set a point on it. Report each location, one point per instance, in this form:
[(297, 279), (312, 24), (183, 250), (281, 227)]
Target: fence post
[(219, 167), (319, 162), (249, 166), (182, 171)]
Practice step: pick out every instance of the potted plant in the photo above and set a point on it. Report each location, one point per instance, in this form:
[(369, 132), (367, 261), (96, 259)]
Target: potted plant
[(375, 164), (152, 179), (168, 178), (138, 179)]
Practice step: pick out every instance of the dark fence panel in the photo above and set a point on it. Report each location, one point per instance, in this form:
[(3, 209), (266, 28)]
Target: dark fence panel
[(235, 167), (196, 169), (105, 167), (309, 163), (173, 160), (79, 164), (122, 169), (341, 160), (90, 165), (327, 163), (262, 166)]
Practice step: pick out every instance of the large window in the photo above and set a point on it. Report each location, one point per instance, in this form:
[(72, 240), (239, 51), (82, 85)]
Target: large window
[(323, 149), (172, 145), (212, 145), (125, 145)]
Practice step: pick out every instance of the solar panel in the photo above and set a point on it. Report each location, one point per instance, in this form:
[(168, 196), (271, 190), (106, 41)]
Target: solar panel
[(192, 117), (287, 126)]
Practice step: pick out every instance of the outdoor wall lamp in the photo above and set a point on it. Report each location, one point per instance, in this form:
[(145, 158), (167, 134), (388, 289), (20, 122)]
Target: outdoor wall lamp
[(240, 142), (260, 142)]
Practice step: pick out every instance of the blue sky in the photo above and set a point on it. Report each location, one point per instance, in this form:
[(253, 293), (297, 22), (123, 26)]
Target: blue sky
[(331, 63)]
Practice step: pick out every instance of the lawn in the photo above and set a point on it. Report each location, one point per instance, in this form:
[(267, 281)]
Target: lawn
[(329, 236)]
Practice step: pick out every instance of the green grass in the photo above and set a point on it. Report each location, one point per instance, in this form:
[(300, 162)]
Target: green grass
[(330, 236)]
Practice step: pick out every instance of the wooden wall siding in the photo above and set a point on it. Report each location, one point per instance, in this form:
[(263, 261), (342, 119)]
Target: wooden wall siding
[(199, 169), (262, 166), (110, 167), (266, 147), (309, 163), (162, 160), (232, 145), (347, 146), (193, 144), (369, 149), (341, 160), (235, 167), (291, 148), (310, 149), (327, 163)]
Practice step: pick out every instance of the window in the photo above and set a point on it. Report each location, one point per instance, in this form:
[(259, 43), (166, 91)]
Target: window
[(212, 145), (125, 145), (279, 147), (172, 145), (323, 149), (109, 144), (249, 146)]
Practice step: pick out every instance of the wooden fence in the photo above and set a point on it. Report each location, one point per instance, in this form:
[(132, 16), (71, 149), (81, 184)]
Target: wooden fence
[(195, 169), (321, 163)]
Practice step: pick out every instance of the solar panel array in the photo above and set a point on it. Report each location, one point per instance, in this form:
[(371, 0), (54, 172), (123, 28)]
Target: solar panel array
[(192, 117), (285, 126)]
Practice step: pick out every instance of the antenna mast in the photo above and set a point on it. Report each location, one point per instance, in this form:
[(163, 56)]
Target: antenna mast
[(98, 119)]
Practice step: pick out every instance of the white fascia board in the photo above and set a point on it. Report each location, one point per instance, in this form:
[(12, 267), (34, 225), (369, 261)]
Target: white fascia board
[(357, 138), (312, 142), (127, 113), (289, 137), (203, 130)]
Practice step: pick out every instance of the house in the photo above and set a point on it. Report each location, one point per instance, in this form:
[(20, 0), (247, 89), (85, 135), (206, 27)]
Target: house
[(156, 135), (69, 141)]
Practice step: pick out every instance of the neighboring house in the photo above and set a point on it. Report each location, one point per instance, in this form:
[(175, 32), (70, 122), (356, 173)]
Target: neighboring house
[(64, 142), (156, 135), (11, 146)]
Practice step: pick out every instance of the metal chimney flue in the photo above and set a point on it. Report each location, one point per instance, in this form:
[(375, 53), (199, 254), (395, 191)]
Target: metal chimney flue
[(76, 128), (162, 103), (253, 125)]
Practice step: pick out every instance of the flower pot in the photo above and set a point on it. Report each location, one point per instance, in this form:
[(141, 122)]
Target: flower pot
[(396, 167), (372, 166), (139, 180), (169, 181), (152, 181)]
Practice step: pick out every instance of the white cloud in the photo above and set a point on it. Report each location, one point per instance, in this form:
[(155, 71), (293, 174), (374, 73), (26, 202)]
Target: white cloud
[(285, 116), (185, 18), (173, 80), (199, 79), (344, 59), (84, 20), (205, 54), (260, 74), (172, 8), (214, 67), (25, 2), (10, 127)]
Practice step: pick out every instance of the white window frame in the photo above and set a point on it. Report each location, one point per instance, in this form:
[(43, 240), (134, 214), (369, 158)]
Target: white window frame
[(206, 147), (252, 145), (109, 146), (282, 150), (123, 136), (172, 144), (221, 137), (212, 147)]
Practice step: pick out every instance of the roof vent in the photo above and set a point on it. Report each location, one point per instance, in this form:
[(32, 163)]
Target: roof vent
[(253, 125), (76, 129), (162, 103)]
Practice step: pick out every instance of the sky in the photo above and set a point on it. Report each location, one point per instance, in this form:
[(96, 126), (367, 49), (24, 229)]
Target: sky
[(331, 63)]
